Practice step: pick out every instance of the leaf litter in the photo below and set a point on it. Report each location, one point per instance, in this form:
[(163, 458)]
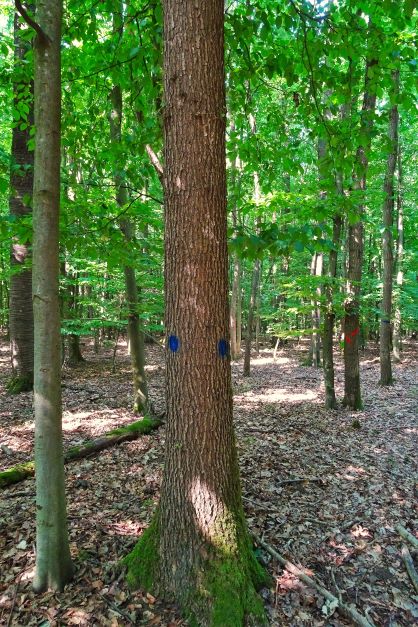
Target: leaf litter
[(324, 488)]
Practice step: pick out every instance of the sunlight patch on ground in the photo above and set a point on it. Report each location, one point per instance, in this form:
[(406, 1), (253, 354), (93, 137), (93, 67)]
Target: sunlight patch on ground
[(89, 419), (263, 361), (274, 395)]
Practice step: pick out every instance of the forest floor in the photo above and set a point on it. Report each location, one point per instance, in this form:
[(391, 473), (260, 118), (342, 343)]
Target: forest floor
[(360, 472)]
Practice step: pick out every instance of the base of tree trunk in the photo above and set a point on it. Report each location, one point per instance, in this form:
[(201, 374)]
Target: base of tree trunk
[(223, 590), (20, 383), (75, 358), (57, 579), (386, 381), (353, 402)]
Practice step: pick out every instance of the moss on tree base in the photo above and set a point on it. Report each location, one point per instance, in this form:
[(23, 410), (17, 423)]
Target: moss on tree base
[(223, 590)]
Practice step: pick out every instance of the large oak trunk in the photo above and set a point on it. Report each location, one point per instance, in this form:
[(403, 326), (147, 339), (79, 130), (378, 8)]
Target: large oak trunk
[(197, 549)]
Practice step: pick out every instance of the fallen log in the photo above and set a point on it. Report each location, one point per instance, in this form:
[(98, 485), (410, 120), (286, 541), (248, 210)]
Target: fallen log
[(406, 535), (409, 565), (345, 610), (112, 438)]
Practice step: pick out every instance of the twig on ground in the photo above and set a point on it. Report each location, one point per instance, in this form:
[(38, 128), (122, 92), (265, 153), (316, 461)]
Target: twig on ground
[(409, 564), (349, 612), (302, 480), (9, 620), (117, 610)]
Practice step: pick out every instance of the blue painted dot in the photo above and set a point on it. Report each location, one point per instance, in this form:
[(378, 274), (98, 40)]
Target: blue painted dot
[(223, 348), (173, 343)]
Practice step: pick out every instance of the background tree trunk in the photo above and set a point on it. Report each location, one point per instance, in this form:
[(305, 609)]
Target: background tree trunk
[(329, 317), (197, 549), (21, 183), (250, 319), (397, 327), (53, 561), (135, 334), (352, 390), (387, 242)]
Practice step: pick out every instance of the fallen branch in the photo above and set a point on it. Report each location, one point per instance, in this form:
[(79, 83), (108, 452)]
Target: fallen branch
[(409, 564), (407, 536), (348, 612), (302, 480), (116, 436)]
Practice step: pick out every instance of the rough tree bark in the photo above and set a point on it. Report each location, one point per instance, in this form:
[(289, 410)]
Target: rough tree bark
[(53, 561), (135, 334), (387, 241), (21, 183), (352, 390), (197, 550), (397, 327)]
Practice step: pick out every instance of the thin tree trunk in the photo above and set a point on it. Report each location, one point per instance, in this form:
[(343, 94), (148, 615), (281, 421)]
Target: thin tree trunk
[(75, 358), (315, 346), (21, 183), (387, 242), (352, 390), (135, 334), (329, 312), (329, 317), (53, 562), (234, 308), (197, 550), (397, 327), (252, 308), (250, 320)]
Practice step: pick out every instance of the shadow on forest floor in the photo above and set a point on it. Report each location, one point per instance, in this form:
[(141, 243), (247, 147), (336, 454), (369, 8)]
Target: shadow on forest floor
[(359, 472)]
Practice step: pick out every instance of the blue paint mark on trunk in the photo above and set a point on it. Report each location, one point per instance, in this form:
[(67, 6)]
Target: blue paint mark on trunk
[(223, 348), (173, 343)]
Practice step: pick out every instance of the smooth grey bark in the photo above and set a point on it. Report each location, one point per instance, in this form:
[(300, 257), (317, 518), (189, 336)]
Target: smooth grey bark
[(397, 327), (355, 237), (53, 561), (21, 183), (387, 241)]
